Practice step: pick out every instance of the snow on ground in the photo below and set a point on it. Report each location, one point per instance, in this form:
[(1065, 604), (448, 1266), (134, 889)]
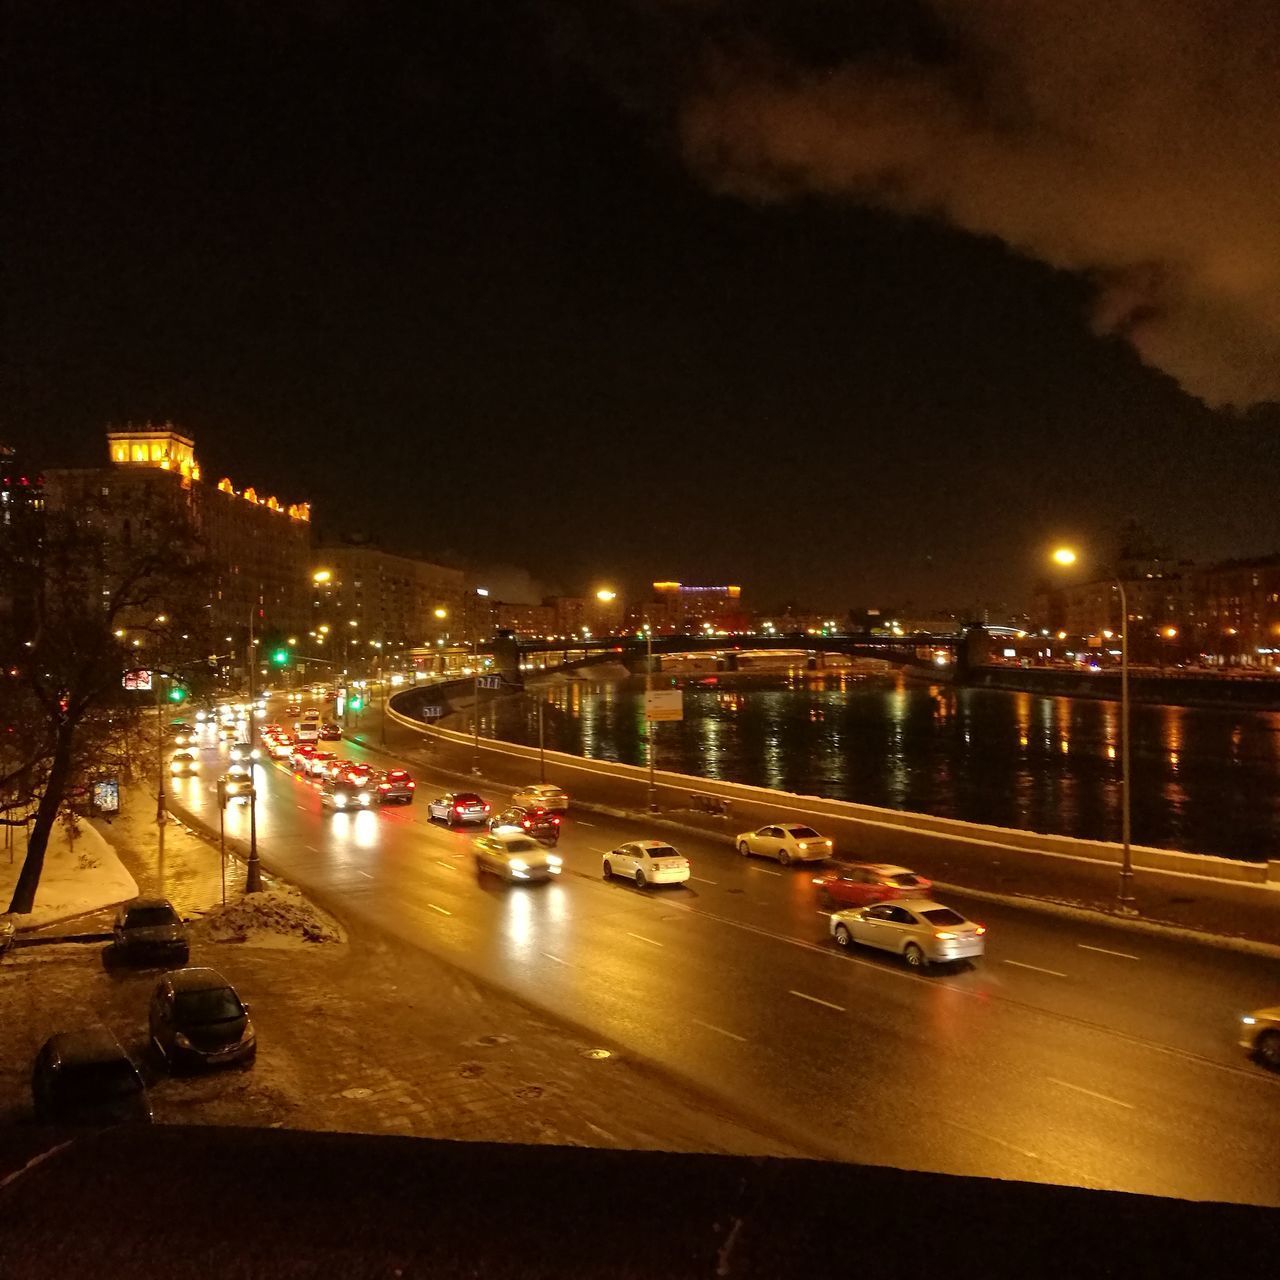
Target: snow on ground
[(279, 916), (79, 876)]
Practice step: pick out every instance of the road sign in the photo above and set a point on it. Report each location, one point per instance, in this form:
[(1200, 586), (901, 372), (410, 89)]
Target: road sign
[(491, 682), (106, 795), (432, 713), (139, 680), (664, 704)]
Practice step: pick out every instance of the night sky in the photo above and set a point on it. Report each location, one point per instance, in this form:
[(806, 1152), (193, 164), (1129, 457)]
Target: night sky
[(537, 284)]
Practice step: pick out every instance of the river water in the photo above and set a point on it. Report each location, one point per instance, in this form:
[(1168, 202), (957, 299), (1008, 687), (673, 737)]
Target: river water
[(1204, 781)]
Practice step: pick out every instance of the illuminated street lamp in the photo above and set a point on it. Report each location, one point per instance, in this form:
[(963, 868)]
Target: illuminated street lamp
[(606, 595), (1125, 902), (322, 576)]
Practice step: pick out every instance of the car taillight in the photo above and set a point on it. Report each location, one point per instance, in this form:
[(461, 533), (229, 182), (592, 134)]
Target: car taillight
[(555, 820), (943, 935), (819, 880), (384, 786), (486, 808), (412, 785), (524, 822), (980, 928), (457, 808)]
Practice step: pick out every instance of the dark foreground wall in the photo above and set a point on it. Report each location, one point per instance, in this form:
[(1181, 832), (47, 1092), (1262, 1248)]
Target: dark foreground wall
[(205, 1202)]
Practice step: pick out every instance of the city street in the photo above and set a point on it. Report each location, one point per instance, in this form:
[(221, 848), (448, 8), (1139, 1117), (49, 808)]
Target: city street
[(1074, 1053)]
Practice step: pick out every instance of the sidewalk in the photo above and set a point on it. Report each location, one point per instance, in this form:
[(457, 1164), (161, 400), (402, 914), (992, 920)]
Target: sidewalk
[(368, 1035), (1218, 910)]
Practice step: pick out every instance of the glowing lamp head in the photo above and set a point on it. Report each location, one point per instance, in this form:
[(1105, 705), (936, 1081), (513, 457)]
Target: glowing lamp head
[(1064, 556), (606, 596)]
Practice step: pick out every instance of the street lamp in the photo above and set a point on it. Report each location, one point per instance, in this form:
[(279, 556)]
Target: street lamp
[(1125, 902), (648, 722), (321, 576)]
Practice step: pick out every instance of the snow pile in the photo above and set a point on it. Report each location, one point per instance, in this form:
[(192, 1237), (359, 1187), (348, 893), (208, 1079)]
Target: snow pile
[(277, 917), (81, 874)]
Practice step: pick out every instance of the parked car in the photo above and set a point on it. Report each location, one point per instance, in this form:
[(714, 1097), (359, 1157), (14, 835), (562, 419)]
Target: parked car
[(196, 1018), (920, 931), (542, 795), (330, 731), (514, 856), (859, 884), (86, 1078), (394, 786), (787, 842), (339, 793), (1260, 1034), (184, 764), (647, 862), (537, 823), (457, 807), (150, 930)]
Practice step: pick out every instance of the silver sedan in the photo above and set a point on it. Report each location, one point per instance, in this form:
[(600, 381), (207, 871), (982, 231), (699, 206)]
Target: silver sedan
[(787, 842), (920, 931)]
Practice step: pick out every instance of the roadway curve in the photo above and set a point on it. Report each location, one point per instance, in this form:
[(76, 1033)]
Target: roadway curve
[(1076, 1053)]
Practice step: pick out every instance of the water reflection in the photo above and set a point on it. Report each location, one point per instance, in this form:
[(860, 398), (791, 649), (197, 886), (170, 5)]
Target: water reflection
[(1202, 780)]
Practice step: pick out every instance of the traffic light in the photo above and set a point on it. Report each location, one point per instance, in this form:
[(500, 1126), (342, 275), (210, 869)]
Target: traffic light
[(177, 693), (280, 657), (355, 702)]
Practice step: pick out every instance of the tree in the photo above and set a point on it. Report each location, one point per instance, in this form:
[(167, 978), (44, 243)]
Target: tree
[(93, 594)]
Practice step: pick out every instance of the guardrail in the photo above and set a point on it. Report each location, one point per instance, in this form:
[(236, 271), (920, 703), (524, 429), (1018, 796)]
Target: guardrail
[(885, 834)]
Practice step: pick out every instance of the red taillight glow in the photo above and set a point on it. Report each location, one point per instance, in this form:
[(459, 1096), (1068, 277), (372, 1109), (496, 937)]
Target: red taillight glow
[(486, 808), (412, 785), (525, 823), (384, 786), (555, 821), (981, 928)]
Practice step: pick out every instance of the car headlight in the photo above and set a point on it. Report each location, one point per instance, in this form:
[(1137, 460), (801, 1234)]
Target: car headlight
[(363, 797), (518, 864), (181, 1041), (339, 801), (554, 860), (1248, 1020)]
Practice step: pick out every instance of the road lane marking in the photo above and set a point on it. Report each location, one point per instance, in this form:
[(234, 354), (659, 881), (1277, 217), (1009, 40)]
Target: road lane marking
[(555, 958), (580, 823), (764, 871), (1017, 964), (1102, 1097), (441, 910), (448, 866), (990, 1137), (641, 938), (1106, 951), (366, 875), (839, 1008), (710, 1026), (702, 880)]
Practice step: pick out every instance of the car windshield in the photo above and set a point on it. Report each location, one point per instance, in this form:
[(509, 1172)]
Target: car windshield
[(904, 879), (466, 797), (214, 1004), (520, 846), (97, 1081), (150, 917), (662, 851), (803, 833), (942, 916)]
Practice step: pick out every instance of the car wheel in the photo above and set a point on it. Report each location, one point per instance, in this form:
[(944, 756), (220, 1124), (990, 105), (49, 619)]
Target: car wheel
[(914, 956), (608, 870), (744, 848), (641, 880), (843, 937), (784, 858), (1268, 1049)]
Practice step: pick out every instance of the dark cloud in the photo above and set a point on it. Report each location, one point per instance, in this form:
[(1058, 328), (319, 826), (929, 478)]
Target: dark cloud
[(1134, 141)]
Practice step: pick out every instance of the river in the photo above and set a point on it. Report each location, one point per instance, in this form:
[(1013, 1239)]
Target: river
[(1204, 781)]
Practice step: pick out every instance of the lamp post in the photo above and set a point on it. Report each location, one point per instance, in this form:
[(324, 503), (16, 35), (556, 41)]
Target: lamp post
[(1126, 904), (253, 869), (648, 722), (475, 697)]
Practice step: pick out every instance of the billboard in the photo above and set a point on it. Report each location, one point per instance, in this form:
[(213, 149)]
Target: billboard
[(139, 680), (664, 704), (106, 795)]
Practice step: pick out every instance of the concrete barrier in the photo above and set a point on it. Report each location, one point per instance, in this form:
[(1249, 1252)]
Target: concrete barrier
[(885, 834)]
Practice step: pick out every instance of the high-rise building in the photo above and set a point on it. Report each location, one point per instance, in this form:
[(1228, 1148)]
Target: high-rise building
[(21, 502), (257, 550), (680, 608)]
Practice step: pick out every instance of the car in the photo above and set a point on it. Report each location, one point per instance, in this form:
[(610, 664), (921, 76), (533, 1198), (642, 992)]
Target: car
[(514, 856), (292, 710), (319, 762), (330, 731), (236, 786), (787, 842), (458, 807), (340, 794), (542, 795), (921, 931), (353, 770), (1260, 1034), (647, 862), (226, 732), (149, 929), (183, 734), (244, 751), (301, 755), (182, 764), (86, 1078), (859, 884), (394, 786), (538, 823), (282, 747), (197, 1019)]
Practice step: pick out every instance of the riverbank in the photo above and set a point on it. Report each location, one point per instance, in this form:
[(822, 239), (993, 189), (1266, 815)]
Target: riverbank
[(1207, 690)]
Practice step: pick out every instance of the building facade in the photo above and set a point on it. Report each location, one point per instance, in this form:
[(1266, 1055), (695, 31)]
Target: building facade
[(257, 550), (681, 609)]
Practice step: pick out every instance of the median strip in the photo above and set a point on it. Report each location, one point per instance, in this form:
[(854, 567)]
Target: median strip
[(839, 1008)]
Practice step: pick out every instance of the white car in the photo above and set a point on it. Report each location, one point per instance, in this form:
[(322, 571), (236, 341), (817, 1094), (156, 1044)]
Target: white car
[(244, 751), (514, 856), (920, 931), (787, 842), (542, 795), (647, 862), (282, 748)]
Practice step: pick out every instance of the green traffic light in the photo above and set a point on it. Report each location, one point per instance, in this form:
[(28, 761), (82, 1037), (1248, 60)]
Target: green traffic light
[(177, 694), (356, 702), (280, 657)]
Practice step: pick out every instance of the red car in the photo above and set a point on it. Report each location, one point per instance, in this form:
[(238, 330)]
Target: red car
[(395, 784), (859, 884), (301, 757)]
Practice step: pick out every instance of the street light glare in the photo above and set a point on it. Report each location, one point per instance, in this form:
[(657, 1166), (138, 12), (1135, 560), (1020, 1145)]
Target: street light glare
[(321, 575), (1064, 556), (605, 595), (441, 612)]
